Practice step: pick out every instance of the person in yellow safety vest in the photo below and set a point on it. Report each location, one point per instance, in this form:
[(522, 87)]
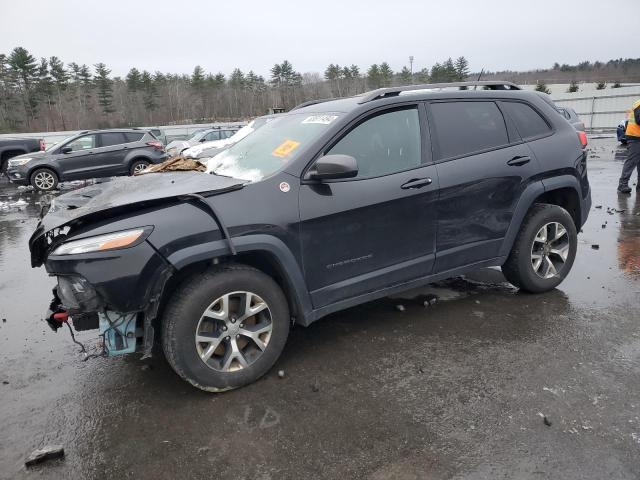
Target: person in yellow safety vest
[(633, 158)]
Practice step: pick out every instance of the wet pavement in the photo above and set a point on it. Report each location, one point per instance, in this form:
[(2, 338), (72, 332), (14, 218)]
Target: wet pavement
[(454, 390)]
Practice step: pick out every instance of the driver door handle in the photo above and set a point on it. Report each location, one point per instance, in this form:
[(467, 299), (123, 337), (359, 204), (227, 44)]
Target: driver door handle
[(519, 161), (416, 183)]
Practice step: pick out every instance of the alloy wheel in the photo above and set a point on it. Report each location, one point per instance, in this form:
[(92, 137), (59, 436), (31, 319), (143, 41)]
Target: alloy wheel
[(233, 331), (44, 180), (550, 250), (139, 167)]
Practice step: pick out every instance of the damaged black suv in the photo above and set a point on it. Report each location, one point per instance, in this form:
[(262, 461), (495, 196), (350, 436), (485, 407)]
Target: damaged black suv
[(330, 205)]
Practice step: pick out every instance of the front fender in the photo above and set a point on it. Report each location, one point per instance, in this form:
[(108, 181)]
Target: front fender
[(258, 243)]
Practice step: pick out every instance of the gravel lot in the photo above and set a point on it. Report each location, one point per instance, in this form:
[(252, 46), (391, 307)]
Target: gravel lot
[(455, 390)]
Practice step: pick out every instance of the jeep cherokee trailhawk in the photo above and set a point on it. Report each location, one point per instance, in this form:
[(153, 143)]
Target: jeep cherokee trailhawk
[(330, 205)]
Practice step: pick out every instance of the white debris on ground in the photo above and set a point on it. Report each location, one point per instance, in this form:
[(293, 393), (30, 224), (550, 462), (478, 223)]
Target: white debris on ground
[(12, 205)]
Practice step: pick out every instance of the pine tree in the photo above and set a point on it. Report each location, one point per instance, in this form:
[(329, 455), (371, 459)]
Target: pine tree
[(10, 117), (285, 79), (104, 87), (134, 80), (44, 90), (423, 76), (150, 93), (61, 83), (437, 73), (24, 71), (451, 75), (386, 74), (601, 86), (405, 75), (542, 87), (333, 74), (462, 69), (573, 87), (373, 76), (237, 80)]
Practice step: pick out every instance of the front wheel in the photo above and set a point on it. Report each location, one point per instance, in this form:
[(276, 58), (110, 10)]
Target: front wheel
[(225, 328), (544, 250), (44, 179)]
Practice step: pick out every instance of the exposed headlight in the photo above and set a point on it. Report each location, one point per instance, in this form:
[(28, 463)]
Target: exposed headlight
[(100, 243), (16, 162)]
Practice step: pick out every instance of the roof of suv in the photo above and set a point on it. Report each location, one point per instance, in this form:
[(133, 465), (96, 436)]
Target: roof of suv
[(417, 92)]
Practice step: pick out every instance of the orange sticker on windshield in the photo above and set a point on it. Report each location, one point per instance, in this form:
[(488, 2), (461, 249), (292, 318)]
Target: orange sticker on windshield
[(285, 148)]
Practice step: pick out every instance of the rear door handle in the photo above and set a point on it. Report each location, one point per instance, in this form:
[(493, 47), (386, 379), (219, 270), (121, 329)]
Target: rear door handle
[(519, 160), (416, 183)]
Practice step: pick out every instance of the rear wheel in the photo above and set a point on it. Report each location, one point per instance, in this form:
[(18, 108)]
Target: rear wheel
[(138, 166), (225, 328), (544, 250), (44, 179)]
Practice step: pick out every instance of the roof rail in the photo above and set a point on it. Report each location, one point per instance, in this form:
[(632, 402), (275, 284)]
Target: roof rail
[(395, 91), (312, 102)]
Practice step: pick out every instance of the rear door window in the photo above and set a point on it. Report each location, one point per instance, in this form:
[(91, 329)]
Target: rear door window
[(464, 128), (112, 138), (213, 136), (528, 122)]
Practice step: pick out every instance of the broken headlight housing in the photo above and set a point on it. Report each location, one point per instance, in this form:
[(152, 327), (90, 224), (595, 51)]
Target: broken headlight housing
[(101, 243)]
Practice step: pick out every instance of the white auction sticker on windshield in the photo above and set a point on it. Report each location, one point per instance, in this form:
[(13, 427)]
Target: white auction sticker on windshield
[(321, 119)]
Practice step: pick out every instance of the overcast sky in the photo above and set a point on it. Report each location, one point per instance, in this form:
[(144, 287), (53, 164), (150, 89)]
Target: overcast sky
[(174, 36)]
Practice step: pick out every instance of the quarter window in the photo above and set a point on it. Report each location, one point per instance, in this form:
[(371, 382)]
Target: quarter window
[(528, 122), (462, 128), (133, 137), (387, 143)]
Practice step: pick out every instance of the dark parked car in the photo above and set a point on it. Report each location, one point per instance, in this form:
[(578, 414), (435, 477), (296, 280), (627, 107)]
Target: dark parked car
[(325, 207), (572, 117), (90, 154), (11, 147)]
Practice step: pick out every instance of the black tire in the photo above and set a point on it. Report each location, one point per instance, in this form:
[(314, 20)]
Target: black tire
[(138, 164), (185, 308), (519, 269), (44, 179)]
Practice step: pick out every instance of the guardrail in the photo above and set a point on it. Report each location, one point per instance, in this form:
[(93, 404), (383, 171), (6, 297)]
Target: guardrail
[(602, 112)]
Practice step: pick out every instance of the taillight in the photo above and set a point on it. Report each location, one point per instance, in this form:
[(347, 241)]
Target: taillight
[(157, 145), (42, 145), (583, 139)]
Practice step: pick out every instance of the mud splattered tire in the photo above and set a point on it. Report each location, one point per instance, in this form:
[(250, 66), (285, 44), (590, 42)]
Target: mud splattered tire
[(44, 179), (137, 166), (225, 328), (544, 250)]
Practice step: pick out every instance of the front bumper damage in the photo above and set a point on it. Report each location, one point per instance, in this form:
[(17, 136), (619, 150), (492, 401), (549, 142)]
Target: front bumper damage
[(119, 291), (122, 332)]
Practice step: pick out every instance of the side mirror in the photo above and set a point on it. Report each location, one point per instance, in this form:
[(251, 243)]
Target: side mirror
[(202, 140), (66, 150), (333, 166)]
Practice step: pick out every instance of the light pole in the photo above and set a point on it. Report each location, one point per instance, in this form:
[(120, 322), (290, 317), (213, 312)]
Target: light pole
[(411, 66)]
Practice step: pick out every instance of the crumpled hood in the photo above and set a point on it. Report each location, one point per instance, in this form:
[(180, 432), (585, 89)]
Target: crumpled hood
[(123, 191)]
